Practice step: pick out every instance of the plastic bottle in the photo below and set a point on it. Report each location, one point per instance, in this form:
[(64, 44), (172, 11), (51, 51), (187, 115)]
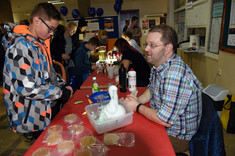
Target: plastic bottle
[(122, 78), (132, 80), (95, 86), (115, 72)]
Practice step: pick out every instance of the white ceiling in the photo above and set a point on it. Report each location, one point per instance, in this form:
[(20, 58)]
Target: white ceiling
[(22, 8), (28, 5)]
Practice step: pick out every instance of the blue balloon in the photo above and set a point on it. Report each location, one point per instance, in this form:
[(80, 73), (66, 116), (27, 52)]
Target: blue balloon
[(117, 7), (91, 11), (99, 12), (119, 1), (63, 10), (75, 13)]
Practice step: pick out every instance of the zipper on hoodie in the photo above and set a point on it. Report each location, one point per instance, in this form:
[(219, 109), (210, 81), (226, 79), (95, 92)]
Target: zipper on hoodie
[(27, 113)]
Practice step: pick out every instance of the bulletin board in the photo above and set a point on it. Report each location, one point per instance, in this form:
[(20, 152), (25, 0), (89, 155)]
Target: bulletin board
[(227, 40), (108, 23)]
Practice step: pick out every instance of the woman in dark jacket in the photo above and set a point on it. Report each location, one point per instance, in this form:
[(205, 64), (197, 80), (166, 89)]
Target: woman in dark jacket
[(131, 58), (61, 50), (61, 46)]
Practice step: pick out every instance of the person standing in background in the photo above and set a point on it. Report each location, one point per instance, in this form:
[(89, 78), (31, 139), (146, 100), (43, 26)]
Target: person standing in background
[(30, 85), (102, 35), (128, 36), (135, 29), (83, 64), (61, 47), (127, 23), (79, 35)]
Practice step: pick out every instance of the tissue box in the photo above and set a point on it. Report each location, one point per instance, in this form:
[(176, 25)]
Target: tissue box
[(218, 95), (110, 124)]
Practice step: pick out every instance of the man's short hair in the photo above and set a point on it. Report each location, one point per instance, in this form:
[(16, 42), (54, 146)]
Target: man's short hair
[(127, 34), (134, 18), (94, 41), (70, 24), (168, 35), (46, 11)]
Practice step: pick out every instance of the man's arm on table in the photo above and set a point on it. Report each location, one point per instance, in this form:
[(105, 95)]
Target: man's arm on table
[(132, 102)]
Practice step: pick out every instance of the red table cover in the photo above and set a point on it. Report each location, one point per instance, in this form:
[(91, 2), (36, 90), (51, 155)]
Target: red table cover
[(151, 138)]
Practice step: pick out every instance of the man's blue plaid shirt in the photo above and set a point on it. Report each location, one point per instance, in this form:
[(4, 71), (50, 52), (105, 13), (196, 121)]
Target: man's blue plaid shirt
[(176, 94)]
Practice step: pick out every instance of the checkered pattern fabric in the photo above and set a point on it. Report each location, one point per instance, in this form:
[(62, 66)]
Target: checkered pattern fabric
[(28, 92), (176, 94)]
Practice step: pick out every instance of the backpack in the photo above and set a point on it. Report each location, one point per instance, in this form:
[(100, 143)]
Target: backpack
[(2, 57), (2, 60)]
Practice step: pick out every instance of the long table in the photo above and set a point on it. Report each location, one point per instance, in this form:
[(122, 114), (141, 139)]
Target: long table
[(151, 138), (101, 78)]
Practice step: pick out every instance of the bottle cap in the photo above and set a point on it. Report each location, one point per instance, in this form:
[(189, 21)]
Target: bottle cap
[(132, 69)]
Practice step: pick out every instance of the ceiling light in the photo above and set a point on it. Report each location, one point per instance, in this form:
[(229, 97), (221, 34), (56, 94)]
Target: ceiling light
[(56, 2)]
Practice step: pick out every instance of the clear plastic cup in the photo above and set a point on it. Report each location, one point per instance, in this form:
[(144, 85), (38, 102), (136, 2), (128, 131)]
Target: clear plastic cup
[(110, 70)]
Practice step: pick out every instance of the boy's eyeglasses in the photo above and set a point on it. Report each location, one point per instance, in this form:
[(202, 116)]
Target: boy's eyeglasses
[(50, 29)]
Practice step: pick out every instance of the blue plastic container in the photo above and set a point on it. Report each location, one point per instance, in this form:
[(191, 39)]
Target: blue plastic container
[(98, 95)]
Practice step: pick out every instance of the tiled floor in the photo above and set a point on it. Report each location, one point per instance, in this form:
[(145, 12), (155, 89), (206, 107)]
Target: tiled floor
[(12, 144)]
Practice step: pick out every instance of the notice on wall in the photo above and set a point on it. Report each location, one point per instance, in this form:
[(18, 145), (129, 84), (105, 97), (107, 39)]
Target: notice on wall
[(152, 23), (215, 35), (217, 9), (145, 24), (189, 5), (231, 33), (108, 24), (93, 25), (88, 36)]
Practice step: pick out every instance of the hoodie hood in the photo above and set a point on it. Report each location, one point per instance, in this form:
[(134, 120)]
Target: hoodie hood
[(13, 31), (17, 31)]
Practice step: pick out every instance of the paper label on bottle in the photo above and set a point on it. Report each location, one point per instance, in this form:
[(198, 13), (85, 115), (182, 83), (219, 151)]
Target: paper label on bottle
[(95, 88), (132, 83)]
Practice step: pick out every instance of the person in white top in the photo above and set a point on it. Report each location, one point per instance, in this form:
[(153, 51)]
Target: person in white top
[(128, 36)]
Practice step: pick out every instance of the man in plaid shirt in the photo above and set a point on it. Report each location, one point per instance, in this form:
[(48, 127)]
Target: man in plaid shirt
[(174, 92)]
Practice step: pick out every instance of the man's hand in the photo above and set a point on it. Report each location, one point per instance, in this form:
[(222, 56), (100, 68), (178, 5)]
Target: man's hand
[(131, 101)]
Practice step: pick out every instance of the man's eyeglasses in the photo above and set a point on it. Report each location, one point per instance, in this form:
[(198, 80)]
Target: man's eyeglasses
[(50, 29), (151, 45)]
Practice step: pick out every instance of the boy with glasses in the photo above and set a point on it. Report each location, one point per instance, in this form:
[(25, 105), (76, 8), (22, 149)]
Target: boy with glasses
[(174, 92), (31, 87)]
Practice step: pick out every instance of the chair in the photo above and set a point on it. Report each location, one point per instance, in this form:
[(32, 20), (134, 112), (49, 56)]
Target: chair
[(209, 140), (59, 68)]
